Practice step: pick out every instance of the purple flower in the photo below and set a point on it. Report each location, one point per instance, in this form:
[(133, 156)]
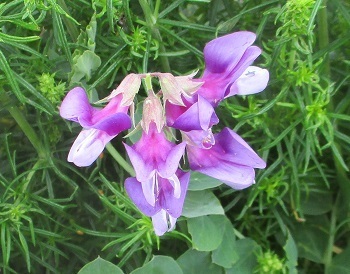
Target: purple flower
[(154, 157), (167, 207), (227, 58), (230, 159), (100, 125)]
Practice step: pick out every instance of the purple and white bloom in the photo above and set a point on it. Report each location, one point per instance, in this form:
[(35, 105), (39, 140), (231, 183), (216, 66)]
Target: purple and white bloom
[(230, 159), (227, 58), (154, 157), (167, 207), (99, 125), (159, 186)]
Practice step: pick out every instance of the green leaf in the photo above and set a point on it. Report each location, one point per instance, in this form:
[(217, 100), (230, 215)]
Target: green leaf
[(159, 265), (84, 65), (291, 254), (5, 67), (246, 263), (200, 203), (226, 255), (197, 262), (315, 199), (340, 263), (10, 38), (201, 181), (100, 266), (60, 34), (312, 238), (24, 245), (206, 231)]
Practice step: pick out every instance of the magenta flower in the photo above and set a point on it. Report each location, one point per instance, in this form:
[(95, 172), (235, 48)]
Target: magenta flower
[(167, 207), (99, 125), (228, 58), (153, 156), (230, 159)]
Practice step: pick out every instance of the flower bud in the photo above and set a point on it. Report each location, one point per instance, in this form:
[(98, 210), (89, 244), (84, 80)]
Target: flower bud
[(171, 89), (152, 112), (128, 87), (188, 85)]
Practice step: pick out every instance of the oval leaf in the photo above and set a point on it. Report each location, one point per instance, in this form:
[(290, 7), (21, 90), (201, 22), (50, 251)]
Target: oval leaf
[(200, 203), (201, 181), (159, 265), (100, 266)]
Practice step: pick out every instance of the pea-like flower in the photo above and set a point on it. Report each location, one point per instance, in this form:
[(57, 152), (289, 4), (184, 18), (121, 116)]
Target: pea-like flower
[(153, 156), (230, 160), (185, 104), (167, 207), (99, 125), (227, 60)]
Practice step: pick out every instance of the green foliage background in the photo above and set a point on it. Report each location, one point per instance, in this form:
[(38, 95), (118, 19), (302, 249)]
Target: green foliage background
[(56, 218)]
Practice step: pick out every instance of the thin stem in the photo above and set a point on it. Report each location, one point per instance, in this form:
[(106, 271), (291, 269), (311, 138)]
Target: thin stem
[(156, 9), (332, 231), (323, 34), (128, 15), (71, 27), (148, 82), (23, 124), (120, 160)]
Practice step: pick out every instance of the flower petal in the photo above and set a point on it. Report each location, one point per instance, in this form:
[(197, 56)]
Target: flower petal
[(235, 176), (169, 202), (207, 115), (231, 160), (222, 54), (128, 87), (136, 194), (160, 222), (253, 80), (201, 115), (112, 125), (216, 86), (148, 187), (144, 170), (234, 149), (76, 105), (88, 146), (168, 167), (200, 138)]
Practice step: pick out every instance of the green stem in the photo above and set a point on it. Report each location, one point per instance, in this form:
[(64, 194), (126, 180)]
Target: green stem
[(148, 82), (151, 21), (323, 34), (332, 231), (71, 27), (128, 15), (121, 161), (23, 124)]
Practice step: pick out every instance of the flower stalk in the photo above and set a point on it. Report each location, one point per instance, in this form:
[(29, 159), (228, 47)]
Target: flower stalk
[(119, 159)]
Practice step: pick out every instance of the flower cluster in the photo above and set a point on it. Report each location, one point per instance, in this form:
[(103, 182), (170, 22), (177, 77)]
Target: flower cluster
[(184, 104)]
